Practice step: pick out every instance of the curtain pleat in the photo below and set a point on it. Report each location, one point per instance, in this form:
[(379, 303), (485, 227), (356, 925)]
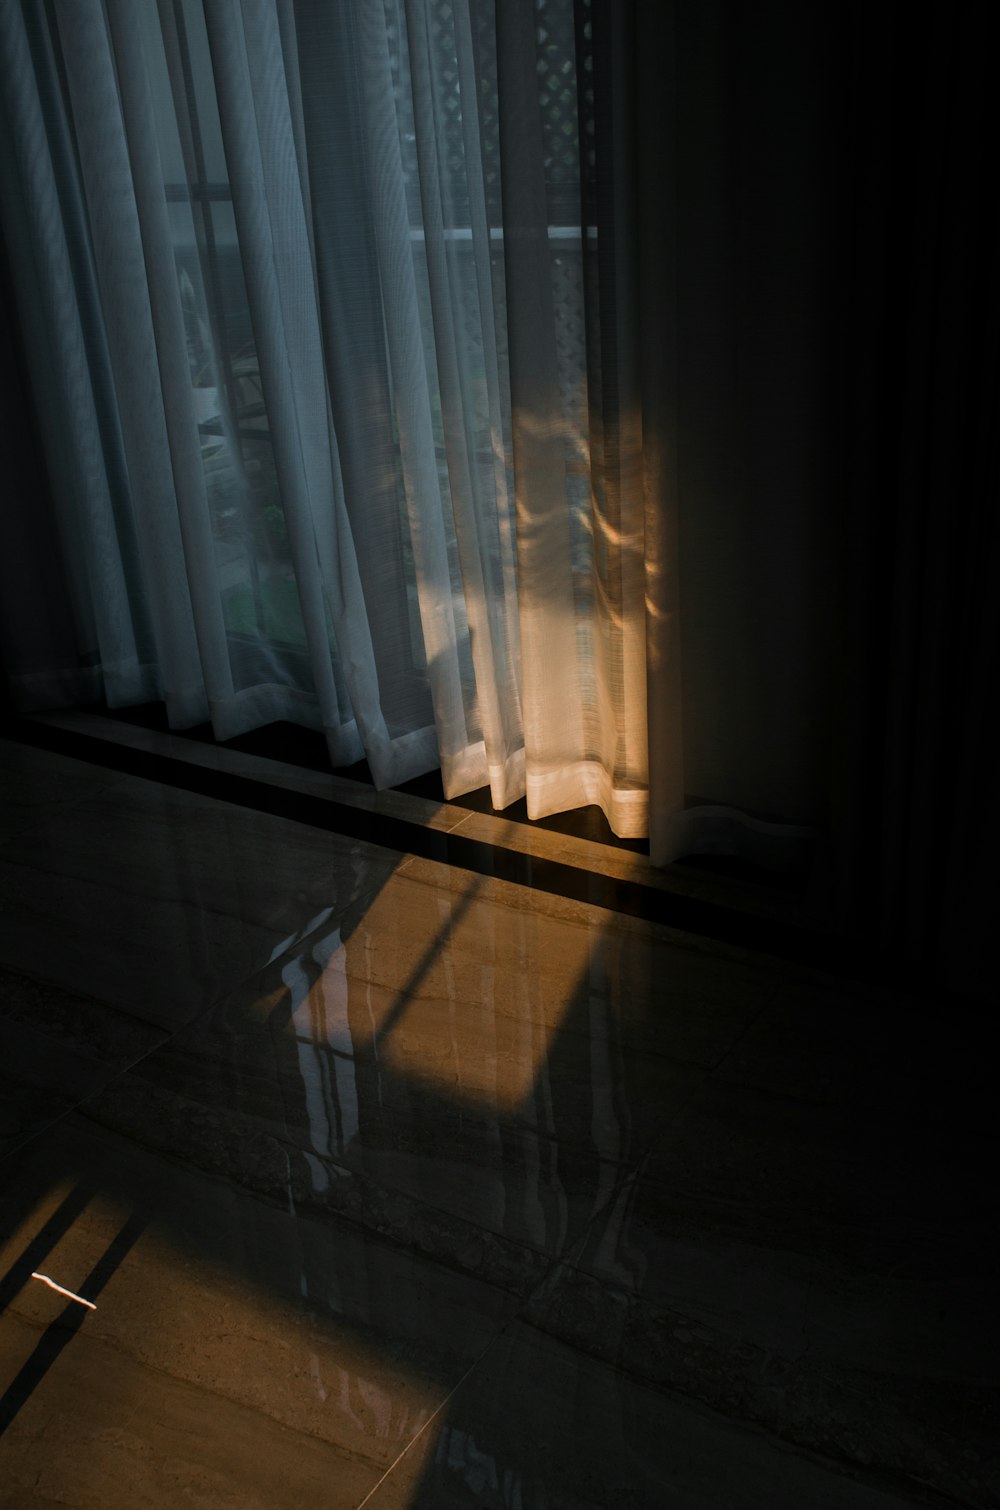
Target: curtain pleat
[(46, 235), (478, 495), (554, 738), (410, 385), (140, 382), (180, 475), (271, 230), (656, 156)]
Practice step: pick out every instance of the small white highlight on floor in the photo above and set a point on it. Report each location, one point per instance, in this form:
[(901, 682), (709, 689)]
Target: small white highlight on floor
[(68, 1293)]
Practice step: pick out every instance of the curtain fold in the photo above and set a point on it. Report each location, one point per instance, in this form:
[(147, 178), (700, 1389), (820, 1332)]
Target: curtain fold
[(918, 829), (55, 288), (479, 494), (576, 431)]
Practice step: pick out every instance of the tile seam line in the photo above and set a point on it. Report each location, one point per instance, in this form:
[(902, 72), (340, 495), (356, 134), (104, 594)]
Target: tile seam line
[(556, 1262), (429, 1422), (630, 898)]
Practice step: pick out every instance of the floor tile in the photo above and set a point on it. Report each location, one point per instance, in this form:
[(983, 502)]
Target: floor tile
[(907, 1059), (790, 1263), (157, 901), (219, 1314), (468, 1056), (37, 785), (530, 954), (56, 1049), (104, 1433), (537, 1423)]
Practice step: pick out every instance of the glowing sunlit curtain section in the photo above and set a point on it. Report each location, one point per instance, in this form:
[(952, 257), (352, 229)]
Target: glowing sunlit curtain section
[(576, 437)]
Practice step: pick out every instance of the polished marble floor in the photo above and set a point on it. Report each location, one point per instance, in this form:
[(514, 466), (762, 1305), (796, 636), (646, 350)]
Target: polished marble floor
[(400, 1184)]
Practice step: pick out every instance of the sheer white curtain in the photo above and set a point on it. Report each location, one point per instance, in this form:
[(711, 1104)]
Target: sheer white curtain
[(310, 296), (539, 389)]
